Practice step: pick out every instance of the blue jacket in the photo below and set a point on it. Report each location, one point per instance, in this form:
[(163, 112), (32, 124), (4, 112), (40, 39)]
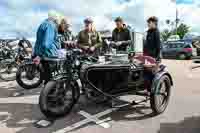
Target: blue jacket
[(47, 43)]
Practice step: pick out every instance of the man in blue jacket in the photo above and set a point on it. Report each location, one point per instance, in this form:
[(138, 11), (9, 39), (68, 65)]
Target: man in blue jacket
[(47, 43)]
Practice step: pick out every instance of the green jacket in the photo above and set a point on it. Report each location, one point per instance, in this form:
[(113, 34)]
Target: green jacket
[(89, 39), (66, 36)]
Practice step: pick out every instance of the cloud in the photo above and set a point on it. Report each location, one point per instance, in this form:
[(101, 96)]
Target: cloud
[(163, 9), (189, 14), (24, 16)]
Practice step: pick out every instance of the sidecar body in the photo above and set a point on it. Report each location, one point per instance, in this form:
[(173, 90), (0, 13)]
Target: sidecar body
[(115, 78)]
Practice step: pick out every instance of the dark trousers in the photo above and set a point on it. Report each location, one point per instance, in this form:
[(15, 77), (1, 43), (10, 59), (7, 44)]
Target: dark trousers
[(46, 73)]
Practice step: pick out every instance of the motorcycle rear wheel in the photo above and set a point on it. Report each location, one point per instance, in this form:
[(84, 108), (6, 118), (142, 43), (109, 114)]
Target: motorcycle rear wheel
[(31, 71)]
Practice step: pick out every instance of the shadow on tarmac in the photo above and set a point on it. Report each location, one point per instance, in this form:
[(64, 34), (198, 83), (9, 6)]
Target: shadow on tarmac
[(23, 116), (188, 125), (8, 89)]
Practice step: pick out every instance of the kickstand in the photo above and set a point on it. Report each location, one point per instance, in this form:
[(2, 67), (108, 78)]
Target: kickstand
[(138, 102)]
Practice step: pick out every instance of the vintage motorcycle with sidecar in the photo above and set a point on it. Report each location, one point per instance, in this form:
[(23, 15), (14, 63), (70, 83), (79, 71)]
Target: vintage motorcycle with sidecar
[(104, 80)]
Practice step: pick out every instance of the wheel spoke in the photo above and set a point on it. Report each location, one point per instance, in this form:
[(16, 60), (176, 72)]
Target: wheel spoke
[(163, 94), (60, 97)]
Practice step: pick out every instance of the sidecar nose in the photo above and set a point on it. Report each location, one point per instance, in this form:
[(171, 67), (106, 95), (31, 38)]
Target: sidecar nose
[(162, 67)]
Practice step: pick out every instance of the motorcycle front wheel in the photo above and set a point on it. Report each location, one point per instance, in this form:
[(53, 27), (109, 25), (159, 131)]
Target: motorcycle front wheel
[(57, 99)]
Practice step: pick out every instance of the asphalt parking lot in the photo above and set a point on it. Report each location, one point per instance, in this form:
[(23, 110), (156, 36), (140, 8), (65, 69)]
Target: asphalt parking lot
[(18, 114)]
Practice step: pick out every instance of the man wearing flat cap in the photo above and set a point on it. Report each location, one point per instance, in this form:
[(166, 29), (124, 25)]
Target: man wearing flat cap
[(121, 35), (89, 39)]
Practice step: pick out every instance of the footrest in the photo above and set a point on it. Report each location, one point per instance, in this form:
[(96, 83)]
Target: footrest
[(138, 102)]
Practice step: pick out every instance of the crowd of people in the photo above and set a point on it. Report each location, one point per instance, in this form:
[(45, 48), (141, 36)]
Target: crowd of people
[(54, 33)]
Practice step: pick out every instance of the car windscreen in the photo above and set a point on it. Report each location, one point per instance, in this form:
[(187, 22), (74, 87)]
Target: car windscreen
[(188, 46)]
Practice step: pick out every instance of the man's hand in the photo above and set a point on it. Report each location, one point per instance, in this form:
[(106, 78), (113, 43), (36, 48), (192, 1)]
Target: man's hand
[(37, 60), (92, 49)]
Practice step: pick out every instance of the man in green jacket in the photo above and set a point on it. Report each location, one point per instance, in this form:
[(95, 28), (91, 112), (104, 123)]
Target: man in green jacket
[(89, 39), (65, 34)]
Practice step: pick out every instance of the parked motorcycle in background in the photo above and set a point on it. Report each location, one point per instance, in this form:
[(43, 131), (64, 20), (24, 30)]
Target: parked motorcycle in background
[(11, 55), (29, 76)]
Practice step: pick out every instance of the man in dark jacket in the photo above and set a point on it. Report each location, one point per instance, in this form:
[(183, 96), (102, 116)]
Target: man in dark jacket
[(152, 45), (121, 35)]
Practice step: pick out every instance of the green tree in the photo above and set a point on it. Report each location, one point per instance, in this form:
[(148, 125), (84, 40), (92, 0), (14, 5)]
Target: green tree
[(182, 30), (165, 34)]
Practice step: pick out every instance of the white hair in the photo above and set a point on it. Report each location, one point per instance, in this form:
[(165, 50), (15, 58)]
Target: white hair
[(55, 15)]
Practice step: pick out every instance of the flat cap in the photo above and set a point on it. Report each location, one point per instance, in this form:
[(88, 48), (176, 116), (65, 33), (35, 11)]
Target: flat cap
[(119, 19), (88, 21)]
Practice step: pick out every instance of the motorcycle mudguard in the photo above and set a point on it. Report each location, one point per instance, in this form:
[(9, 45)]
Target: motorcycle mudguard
[(157, 77), (30, 62)]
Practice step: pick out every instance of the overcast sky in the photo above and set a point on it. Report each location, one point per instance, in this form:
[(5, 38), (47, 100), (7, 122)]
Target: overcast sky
[(22, 17)]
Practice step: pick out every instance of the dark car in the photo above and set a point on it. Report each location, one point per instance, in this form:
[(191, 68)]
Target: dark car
[(179, 50)]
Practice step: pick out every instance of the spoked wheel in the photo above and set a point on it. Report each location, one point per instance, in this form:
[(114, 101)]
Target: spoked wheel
[(8, 71), (57, 99), (160, 100), (28, 76)]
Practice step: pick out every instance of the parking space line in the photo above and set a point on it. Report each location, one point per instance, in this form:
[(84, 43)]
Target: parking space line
[(95, 119), (89, 118), (26, 121), (24, 100), (6, 119)]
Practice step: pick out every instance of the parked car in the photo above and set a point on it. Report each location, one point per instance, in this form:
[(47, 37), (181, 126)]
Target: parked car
[(178, 49)]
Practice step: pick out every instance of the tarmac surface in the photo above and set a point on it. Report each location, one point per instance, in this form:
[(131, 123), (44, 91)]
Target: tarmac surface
[(18, 114)]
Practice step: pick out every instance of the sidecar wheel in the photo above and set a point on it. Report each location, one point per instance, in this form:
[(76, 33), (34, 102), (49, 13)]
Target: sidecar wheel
[(159, 101), (54, 102)]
